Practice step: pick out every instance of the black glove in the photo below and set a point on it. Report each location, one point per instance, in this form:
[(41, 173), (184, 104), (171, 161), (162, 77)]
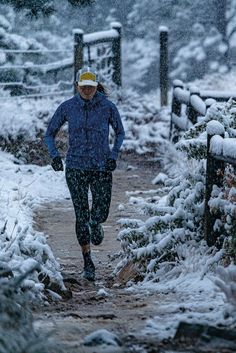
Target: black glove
[(110, 165), (57, 164)]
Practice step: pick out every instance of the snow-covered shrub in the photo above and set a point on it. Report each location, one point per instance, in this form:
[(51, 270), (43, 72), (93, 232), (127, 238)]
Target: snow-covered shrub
[(21, 246), (194, 141), (179, 218), (177, 221), (224, 200), (17, 330), (226, 281), (27, 249)]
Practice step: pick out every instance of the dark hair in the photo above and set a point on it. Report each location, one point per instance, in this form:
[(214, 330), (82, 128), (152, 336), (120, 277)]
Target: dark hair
[(102, 89)]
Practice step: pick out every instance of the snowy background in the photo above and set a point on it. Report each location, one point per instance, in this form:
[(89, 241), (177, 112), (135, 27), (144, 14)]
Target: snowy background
[(168, 248)]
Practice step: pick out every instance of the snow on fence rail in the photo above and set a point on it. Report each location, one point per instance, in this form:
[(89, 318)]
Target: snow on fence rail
[(188, 104), (220, 152), (88, 49)]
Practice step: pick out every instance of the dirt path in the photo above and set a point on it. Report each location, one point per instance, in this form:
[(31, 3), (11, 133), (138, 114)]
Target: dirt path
[(119, 311)]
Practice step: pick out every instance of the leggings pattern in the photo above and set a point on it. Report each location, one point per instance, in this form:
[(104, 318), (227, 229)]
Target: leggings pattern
[(100, 184)]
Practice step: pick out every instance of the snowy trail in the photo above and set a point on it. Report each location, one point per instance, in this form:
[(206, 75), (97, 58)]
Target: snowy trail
[(102, 305), (143, 318)]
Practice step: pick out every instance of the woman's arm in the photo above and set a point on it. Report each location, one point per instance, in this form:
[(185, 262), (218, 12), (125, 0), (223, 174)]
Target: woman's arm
[(56, 122), (118, 128)]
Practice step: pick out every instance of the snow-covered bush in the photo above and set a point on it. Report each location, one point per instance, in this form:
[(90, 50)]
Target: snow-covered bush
[(24, 250), (195, 139), (178, 218), (17, 330), (21, 246), (223, 202), (226, 282)]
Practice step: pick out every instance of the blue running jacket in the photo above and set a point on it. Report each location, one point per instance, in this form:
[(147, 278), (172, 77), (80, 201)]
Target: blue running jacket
[(88, 128)]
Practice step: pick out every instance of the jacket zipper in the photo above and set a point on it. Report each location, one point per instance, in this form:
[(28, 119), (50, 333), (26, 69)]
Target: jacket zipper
[(86, 122)]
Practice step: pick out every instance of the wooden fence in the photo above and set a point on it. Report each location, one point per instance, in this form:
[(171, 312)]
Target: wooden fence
[(188, 104), (100, 49)]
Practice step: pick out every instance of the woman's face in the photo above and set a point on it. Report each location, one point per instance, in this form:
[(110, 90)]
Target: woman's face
[(87, 92)]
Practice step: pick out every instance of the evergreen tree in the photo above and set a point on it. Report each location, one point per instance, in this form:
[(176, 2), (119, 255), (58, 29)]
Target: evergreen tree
[(45, 7)]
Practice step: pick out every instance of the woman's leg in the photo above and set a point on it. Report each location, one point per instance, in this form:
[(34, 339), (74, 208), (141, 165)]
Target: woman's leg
[(78, 184), (101, 187)]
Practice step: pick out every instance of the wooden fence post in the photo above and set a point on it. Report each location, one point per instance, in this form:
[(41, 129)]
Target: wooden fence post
[(78, 52), (164, 65), (175, 108), (213, 177), (116, 49), (191, 112)]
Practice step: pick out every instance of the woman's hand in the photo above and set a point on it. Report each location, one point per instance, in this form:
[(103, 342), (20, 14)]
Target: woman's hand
[(57, 164), (110, 165)]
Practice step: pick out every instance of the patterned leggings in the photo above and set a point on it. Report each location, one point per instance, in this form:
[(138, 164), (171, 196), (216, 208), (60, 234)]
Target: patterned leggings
[(100, 184)]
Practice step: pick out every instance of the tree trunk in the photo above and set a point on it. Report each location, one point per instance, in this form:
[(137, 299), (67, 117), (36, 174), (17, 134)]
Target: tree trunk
[(221, 22), (221, 18)]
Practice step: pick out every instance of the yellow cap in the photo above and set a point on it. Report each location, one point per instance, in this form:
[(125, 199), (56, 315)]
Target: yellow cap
[(87, 78)]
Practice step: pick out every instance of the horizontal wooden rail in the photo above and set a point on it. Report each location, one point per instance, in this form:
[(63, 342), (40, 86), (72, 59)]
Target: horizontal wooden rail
[(49, 72), (38, 95), (33, 51), (53, 66), (225, 159), (189, 104)]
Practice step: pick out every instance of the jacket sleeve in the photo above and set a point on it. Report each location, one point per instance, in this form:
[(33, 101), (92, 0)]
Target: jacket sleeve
[(116, 123), (56, 122)]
